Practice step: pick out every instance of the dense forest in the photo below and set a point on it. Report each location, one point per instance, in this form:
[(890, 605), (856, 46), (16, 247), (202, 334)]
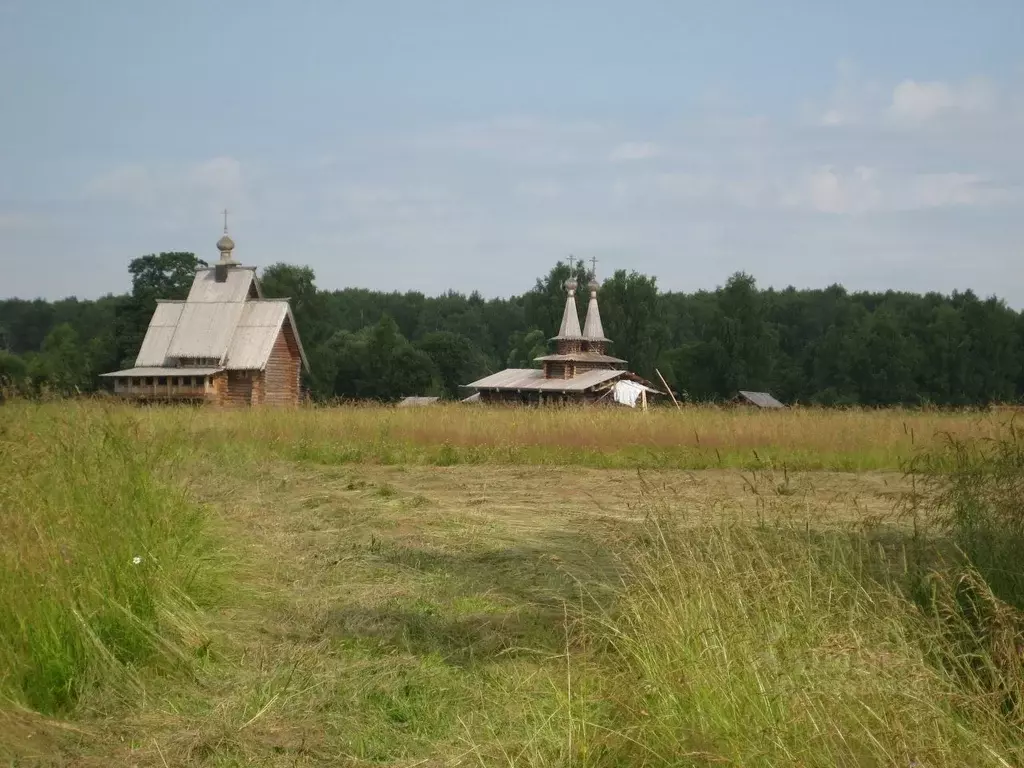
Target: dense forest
[(811, 346)]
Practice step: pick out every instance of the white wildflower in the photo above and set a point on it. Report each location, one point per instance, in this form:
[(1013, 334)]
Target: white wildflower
[(136, 560)]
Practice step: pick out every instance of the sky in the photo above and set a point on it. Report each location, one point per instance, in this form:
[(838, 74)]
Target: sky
[(470, 145)]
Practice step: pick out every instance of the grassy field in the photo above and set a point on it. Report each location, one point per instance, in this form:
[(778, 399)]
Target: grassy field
[(693, 438), (461, 586)]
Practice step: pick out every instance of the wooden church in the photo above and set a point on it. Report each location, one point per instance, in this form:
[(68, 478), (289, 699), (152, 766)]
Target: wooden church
[(224, 345), (580, 371)]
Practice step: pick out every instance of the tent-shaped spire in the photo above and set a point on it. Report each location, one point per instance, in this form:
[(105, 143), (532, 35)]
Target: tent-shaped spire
[(570, 327), (592, 328)]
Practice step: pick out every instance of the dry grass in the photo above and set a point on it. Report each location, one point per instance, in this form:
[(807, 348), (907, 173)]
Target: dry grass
[(693, 438), (407, 614)]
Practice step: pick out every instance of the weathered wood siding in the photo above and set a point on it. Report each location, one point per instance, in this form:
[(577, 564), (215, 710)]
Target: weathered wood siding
[(239, 388), (217, 388), (284, 368)]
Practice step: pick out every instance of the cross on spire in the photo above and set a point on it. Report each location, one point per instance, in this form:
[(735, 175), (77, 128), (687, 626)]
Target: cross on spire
[(593, 267), (225, 221)]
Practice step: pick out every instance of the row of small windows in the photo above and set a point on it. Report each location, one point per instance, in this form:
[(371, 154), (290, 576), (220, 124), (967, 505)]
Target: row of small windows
[(161, 381)]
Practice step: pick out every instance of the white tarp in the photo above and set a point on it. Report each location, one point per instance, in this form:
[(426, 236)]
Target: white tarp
[(627, 392)]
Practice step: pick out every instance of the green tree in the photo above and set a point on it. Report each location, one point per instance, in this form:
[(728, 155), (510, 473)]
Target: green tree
[(745, 335), (525, 347), (632, 317), (13, 374), (298, 285), (456, 359), (62, 366), (378, 363), (167, 275)]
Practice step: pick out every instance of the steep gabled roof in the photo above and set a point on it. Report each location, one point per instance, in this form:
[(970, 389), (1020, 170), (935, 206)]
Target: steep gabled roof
[(256, 332), (219, 321), (153, 352)]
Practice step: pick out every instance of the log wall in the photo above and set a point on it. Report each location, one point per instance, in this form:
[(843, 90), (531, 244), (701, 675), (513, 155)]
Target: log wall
[(280, 384)]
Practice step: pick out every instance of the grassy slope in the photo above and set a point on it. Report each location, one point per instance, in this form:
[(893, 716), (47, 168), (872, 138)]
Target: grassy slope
[(511, 615)]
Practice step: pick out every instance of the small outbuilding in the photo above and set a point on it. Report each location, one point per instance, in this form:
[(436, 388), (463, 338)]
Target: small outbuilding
[(757, 399), (417, 402)]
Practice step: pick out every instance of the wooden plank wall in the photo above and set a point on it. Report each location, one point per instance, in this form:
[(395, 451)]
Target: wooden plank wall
[(239, 388), (284, 368)]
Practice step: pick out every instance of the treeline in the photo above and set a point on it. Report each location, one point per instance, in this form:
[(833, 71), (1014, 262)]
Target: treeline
[(825, 346)]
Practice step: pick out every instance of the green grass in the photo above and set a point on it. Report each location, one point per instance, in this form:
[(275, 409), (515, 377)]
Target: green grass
[(101, 561), (405, 605), (770, 647)]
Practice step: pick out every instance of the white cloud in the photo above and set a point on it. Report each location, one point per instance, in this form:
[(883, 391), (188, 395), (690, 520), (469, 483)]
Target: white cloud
[(864, 190), (914, 100), (634, 150), (856, 100)]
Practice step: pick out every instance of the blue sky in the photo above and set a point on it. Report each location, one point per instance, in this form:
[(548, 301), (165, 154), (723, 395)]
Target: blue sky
[(469, 145)]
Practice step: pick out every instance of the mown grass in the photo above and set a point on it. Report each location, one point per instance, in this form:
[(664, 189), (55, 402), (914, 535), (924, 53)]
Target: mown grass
[(373, 618)]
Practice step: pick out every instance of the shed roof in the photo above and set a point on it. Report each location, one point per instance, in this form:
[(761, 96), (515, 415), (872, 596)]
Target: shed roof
[(533, 379), (761, 399), (409, 402), (581, 357), (161, 370)]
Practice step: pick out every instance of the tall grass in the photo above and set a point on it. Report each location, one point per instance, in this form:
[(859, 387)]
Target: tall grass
[(976, 486), (740, 646), (693, 438), (101, 560)]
